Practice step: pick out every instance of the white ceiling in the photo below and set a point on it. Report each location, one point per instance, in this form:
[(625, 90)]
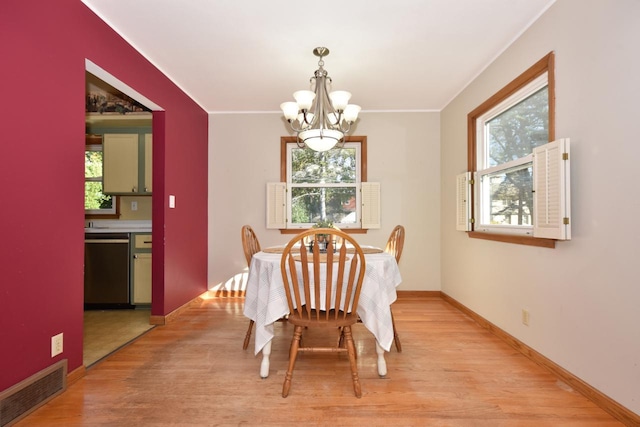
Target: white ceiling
[(249, 56)]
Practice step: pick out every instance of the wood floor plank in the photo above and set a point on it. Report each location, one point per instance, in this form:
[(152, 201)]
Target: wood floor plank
[(193, 371)]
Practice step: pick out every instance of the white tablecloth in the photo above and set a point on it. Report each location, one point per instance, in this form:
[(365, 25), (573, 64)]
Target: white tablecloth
[(266, 301)]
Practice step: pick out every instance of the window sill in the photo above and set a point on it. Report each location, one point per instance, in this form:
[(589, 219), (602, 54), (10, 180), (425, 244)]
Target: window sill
[(300, 230), (518, 240)]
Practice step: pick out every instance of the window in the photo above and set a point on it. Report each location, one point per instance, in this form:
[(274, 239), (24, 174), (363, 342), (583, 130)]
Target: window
[(323, 185), (328, 186), (505, 138), (504, 132), (96, 203)]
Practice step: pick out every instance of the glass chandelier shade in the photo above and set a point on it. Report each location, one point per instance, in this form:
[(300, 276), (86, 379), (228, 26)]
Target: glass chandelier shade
[(320, 118)]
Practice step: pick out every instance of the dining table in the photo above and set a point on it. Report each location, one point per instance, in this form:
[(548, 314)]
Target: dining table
[(266, 300)]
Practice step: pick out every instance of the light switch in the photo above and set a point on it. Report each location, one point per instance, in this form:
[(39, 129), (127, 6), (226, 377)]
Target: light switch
[(172, 201), (134, 206)]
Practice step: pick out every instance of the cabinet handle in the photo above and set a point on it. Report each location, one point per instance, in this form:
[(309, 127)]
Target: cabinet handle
[(146, 190), (147, 241), (135, 256)]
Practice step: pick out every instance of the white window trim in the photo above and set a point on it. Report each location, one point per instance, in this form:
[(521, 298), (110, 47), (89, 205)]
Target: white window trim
[(356, 185), (278, 208), (482, 137), (551, 197), (483, 207), (278, 197)]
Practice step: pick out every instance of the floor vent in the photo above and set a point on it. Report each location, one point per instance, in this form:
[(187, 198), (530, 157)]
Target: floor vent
[(21, 399)]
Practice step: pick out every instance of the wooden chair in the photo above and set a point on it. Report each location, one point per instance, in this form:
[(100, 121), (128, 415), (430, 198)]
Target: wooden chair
[(394, 247), (340, 281), (251, 245)]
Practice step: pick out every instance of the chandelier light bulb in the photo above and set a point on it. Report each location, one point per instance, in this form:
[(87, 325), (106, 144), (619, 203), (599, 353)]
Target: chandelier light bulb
[(340, 99), (304, 98), (290, 110), (351, 113)]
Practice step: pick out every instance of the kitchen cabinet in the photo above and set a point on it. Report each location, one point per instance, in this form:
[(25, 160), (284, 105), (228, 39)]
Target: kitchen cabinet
[(127, 160), (141, 269)]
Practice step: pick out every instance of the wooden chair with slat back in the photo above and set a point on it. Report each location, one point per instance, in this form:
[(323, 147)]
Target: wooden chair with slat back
[(251, 245), (318, 279), (395, 244)]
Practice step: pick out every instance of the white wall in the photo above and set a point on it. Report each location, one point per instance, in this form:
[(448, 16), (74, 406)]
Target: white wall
[(583, 296), (403, 155)]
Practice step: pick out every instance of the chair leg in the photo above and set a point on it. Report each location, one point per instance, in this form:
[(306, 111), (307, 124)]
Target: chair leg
[(293, 354), (248, 336), (351, 350), (341, 343), (396, 338)]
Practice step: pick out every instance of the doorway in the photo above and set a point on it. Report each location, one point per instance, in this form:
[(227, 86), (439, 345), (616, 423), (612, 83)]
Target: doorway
[(109, 111)]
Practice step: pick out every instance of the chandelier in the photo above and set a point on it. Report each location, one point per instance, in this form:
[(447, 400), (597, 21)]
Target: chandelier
[(320, 118)]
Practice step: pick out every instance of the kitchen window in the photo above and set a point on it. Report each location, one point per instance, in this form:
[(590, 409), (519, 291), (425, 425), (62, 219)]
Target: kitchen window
[(323, 186), (96, 203), (506, 133)]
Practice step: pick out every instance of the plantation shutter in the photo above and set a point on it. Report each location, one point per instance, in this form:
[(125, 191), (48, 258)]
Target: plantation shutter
[(463, 201), (370, 200), (551, 195), (276, 205)]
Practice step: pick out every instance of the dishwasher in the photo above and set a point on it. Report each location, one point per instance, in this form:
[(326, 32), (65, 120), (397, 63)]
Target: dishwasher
[(106, 271)]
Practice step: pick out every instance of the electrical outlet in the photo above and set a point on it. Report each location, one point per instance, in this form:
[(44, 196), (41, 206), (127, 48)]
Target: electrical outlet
[(525, 317), (134, 206), (56, 344)]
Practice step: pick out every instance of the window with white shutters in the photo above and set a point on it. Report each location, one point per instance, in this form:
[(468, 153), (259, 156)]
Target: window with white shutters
[(323, 186), (509, 156)]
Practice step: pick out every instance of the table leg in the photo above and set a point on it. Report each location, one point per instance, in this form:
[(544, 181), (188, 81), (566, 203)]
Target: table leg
[(264, 366), (382, 364)]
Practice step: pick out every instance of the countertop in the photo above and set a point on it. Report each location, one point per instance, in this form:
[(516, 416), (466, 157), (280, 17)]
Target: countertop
[(117, 230), (116, 226)]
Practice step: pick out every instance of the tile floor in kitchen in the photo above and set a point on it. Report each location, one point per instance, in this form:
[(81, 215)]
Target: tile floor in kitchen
[(105, 331)]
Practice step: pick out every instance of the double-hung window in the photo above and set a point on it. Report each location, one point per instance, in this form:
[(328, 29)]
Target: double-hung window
[(509, 156), (323, 186), (505, 139)]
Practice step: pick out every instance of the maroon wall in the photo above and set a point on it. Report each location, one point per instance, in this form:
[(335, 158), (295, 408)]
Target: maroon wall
[(43, 46)]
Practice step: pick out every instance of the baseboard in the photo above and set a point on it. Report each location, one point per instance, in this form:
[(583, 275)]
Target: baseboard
[(76, 374), (168, 318), (609, 405), (418, 294), (223, 293)]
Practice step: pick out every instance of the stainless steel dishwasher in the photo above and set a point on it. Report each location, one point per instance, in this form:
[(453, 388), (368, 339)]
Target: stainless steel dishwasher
[(106, 271)]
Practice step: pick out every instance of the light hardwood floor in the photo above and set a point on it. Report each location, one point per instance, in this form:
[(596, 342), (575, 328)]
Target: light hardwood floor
[(193, 371)]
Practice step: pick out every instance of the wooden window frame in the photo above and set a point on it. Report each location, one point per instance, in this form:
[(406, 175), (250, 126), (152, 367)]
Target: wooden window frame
[(544, 65), (284, 140)]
